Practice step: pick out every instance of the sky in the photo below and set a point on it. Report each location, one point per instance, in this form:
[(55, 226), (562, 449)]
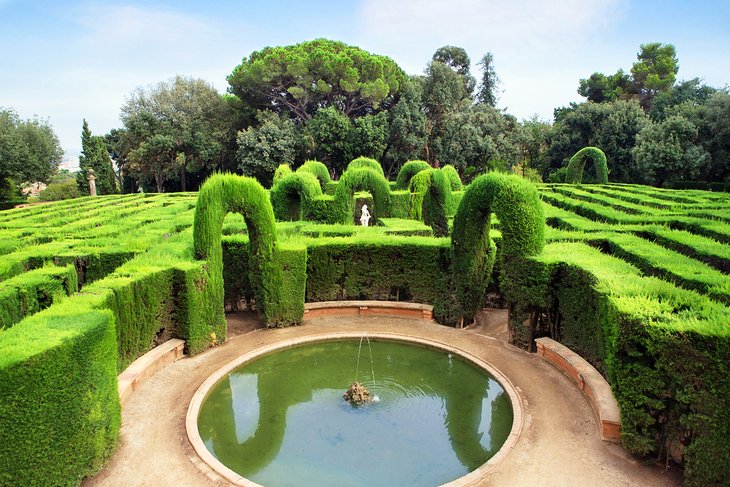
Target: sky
[(70, 60)]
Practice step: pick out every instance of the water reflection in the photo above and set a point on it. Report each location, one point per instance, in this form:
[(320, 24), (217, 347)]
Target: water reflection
[(282, 419)]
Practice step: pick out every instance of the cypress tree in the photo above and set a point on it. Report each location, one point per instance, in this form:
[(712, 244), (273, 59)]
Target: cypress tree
[(94, 155)]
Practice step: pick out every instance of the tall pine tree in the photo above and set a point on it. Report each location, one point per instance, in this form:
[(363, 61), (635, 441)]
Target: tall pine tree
[(94, 155)]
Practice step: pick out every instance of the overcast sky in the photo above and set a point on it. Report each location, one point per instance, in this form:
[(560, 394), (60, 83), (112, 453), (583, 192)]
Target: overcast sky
[(66, 61)]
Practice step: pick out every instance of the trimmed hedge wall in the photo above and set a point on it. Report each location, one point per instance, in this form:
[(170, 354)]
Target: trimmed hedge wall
[(290, 258), (319, 170), (408, 170), (59, 406), (516, 203), (365, 162), (664, 350), (33, 291), (292, 196), (430, 192), (577, 164)]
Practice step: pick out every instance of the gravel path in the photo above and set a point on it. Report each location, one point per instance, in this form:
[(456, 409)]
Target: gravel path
[(560, 443)]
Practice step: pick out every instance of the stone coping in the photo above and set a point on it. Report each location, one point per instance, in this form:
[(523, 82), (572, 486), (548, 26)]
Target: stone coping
[(474, 478), (589, 381), (394, 309), (147, 365)]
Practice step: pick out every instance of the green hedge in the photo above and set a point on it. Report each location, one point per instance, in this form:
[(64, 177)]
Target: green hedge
[(292, 196), (382, 268), (430, 192), (453, 175), (59, 405), (664, 350), (217, 196), (365, 162), (319, 170), (577, 163), (33, 291), (408, 170), (281, 171), (361, 179), (517, 204)]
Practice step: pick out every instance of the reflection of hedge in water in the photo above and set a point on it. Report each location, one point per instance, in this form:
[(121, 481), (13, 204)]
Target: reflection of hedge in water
[(578, 162)]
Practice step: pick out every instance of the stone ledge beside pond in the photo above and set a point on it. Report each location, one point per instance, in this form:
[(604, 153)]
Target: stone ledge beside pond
[(590, 382), (147, 365), (391, 309)]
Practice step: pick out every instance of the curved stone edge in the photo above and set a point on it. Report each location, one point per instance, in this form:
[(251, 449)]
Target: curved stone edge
[(473, 478), (148, 365), (589, 381), (391, 309)]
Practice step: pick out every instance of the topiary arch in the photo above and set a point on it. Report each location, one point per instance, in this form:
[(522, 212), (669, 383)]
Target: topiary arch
[(516, 203), (453, 175), (319, 170), (281, 171), (408, 170), (362, 179), (430, 193), (578, 162), (292, 196), (366, 162), (219, 195)]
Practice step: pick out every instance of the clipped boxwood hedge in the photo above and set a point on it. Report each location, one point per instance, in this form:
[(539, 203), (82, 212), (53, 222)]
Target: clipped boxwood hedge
[(516, 203), (59, 406), (360, 179)]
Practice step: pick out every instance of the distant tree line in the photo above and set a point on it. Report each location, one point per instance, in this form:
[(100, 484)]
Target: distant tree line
[(332, 102)]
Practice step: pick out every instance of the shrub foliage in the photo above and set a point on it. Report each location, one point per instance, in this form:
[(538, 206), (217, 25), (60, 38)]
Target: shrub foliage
[(578, 161)]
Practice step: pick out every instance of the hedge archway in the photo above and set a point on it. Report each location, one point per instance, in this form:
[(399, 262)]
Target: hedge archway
[(292, 196), (281, 171), (361, 179), (408, 170), (578, 163), (517, 204), (366, 162), (430, 192), (218, 196), (319, 170), (453, 175)]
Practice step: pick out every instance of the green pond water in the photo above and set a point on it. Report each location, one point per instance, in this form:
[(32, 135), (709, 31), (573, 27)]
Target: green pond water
[(281, 419)]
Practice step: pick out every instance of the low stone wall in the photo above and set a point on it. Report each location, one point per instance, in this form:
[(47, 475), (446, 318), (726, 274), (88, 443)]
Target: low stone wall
[(147, 365), (391, 309), (590, 382)]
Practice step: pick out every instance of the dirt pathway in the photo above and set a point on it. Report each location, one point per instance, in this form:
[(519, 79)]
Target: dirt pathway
[(559, 446)]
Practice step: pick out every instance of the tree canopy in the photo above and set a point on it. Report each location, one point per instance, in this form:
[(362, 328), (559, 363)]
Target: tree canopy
[(174, 128), (29, 149), (302, 78), (654, 71)]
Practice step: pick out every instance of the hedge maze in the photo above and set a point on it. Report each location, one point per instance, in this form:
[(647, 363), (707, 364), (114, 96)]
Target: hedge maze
[(633, 278)]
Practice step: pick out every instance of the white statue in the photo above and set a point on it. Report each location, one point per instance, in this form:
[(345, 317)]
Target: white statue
[(365, 216)]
